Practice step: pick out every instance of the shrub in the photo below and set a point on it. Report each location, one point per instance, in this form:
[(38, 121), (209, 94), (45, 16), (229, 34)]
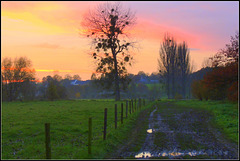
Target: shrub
[(178, 96), (232, 92), (200, 90)]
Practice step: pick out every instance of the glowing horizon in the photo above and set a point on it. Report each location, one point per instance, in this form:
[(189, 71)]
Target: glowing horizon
[(48, 32)]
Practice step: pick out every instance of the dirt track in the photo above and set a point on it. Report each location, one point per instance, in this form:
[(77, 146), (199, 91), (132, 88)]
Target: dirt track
[(179, 132)]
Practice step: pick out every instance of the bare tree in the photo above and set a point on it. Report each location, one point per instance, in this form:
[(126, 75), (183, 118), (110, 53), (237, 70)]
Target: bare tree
[(167, 63), (174, 64), (183, 63), (108, 25)]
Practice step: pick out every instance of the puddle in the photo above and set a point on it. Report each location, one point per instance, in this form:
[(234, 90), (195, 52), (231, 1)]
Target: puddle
[(150, 131), (143, 155), (172, 154)]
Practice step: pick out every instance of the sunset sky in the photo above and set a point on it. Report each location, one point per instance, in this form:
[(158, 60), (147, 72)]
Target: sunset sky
[(47, 32)]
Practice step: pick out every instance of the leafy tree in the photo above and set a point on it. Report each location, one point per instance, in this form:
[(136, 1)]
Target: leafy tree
[(15, 74), (220, 80), (77, 95), (229, 54), (105, 81), (28, 90), (52, 91), (107, 25), (57, 78), (132, 90), (68, 76), (54, 88), (199, 90), (232, 93), (154, 92), (142, 89), (77, 77)]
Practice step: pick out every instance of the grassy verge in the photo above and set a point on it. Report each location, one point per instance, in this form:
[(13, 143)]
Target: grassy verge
[(225, 115), (129, 136), (23, 134)]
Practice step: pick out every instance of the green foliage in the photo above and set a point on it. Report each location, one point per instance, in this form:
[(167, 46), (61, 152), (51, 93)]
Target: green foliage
[(178, 96), (52, 91), (23, 128), (55, 89)]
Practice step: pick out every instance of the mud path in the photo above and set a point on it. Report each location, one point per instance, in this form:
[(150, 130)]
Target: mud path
[(180, 132)]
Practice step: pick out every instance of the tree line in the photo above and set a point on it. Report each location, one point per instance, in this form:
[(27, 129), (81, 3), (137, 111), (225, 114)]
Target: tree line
[(57, 87), (222, 81), (108, 26), (17, 79)]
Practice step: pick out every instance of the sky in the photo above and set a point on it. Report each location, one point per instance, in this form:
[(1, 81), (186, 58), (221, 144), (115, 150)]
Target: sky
[(48, 32)]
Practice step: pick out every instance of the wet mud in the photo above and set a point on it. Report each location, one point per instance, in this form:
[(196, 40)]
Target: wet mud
[(177, 132)]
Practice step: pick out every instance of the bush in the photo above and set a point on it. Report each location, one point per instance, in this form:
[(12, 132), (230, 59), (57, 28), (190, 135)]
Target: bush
[(178, 96), (199, 90), (232, 92), (220, 80)]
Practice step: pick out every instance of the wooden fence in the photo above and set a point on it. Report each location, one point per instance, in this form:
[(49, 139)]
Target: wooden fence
[(134, 105)]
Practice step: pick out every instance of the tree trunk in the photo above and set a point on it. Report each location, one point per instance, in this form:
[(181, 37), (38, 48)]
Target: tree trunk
[(168, 85), (173, 83), (184, 86), (117, 90)]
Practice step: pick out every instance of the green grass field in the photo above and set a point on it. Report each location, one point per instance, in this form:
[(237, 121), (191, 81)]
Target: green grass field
[(157, 85), (23, 135), (225, 115)]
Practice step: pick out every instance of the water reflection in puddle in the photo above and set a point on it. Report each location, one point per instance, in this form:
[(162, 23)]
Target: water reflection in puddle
[(143, 155), (149, 131), (170, 154)]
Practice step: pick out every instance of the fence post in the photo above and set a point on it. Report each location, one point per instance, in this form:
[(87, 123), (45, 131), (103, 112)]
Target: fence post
[(121, 113), (47, 136), (90, 136), (115, 116), (105, 124), (126, 109)]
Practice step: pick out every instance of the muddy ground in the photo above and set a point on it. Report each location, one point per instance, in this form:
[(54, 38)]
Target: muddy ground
[(168, 131)]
